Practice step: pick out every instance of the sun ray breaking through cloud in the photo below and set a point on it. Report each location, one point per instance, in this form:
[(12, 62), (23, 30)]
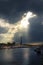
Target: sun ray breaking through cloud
[(16, 27)]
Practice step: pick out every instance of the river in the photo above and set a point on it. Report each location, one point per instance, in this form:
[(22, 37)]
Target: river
[(20, 56)]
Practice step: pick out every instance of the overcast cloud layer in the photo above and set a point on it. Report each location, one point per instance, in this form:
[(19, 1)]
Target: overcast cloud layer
[(11, 12)]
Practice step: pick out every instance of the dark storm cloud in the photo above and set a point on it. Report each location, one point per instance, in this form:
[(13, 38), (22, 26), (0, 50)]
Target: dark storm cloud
[(12, 8), (3, 30), (4, 0), (36, 30)]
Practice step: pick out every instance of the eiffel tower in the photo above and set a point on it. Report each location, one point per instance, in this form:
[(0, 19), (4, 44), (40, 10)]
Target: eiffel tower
[(21, 40)]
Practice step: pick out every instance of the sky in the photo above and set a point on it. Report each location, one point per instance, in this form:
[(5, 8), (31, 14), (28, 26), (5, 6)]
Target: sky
[(21, 18)]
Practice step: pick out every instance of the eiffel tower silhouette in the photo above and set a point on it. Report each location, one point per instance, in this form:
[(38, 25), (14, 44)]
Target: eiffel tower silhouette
[(21, 40)]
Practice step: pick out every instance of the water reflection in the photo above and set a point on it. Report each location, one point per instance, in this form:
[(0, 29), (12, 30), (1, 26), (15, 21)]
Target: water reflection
[(26, 53), (7, 55), (20, 56)]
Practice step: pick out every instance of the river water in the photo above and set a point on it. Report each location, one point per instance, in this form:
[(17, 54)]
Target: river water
[(20, 56)]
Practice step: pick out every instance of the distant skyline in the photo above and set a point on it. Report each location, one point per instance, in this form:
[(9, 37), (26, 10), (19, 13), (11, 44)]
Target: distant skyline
[(21, 18)]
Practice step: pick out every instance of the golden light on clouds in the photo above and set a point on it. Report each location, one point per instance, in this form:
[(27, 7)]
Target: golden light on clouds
[(16, 27), (25, 19), (24, 23)]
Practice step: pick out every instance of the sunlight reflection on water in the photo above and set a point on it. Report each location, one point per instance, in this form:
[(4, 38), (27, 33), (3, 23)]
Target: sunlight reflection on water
[(7, 55), (20, 56), (26, 56)]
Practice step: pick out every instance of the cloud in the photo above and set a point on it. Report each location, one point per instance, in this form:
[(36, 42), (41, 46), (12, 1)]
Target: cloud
[(3, 30), (36, 30), (12, 29), (11, 12), (15, 6), (4, 0)]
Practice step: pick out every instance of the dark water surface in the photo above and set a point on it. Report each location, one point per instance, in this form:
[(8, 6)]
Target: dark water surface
[(20, 56)]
